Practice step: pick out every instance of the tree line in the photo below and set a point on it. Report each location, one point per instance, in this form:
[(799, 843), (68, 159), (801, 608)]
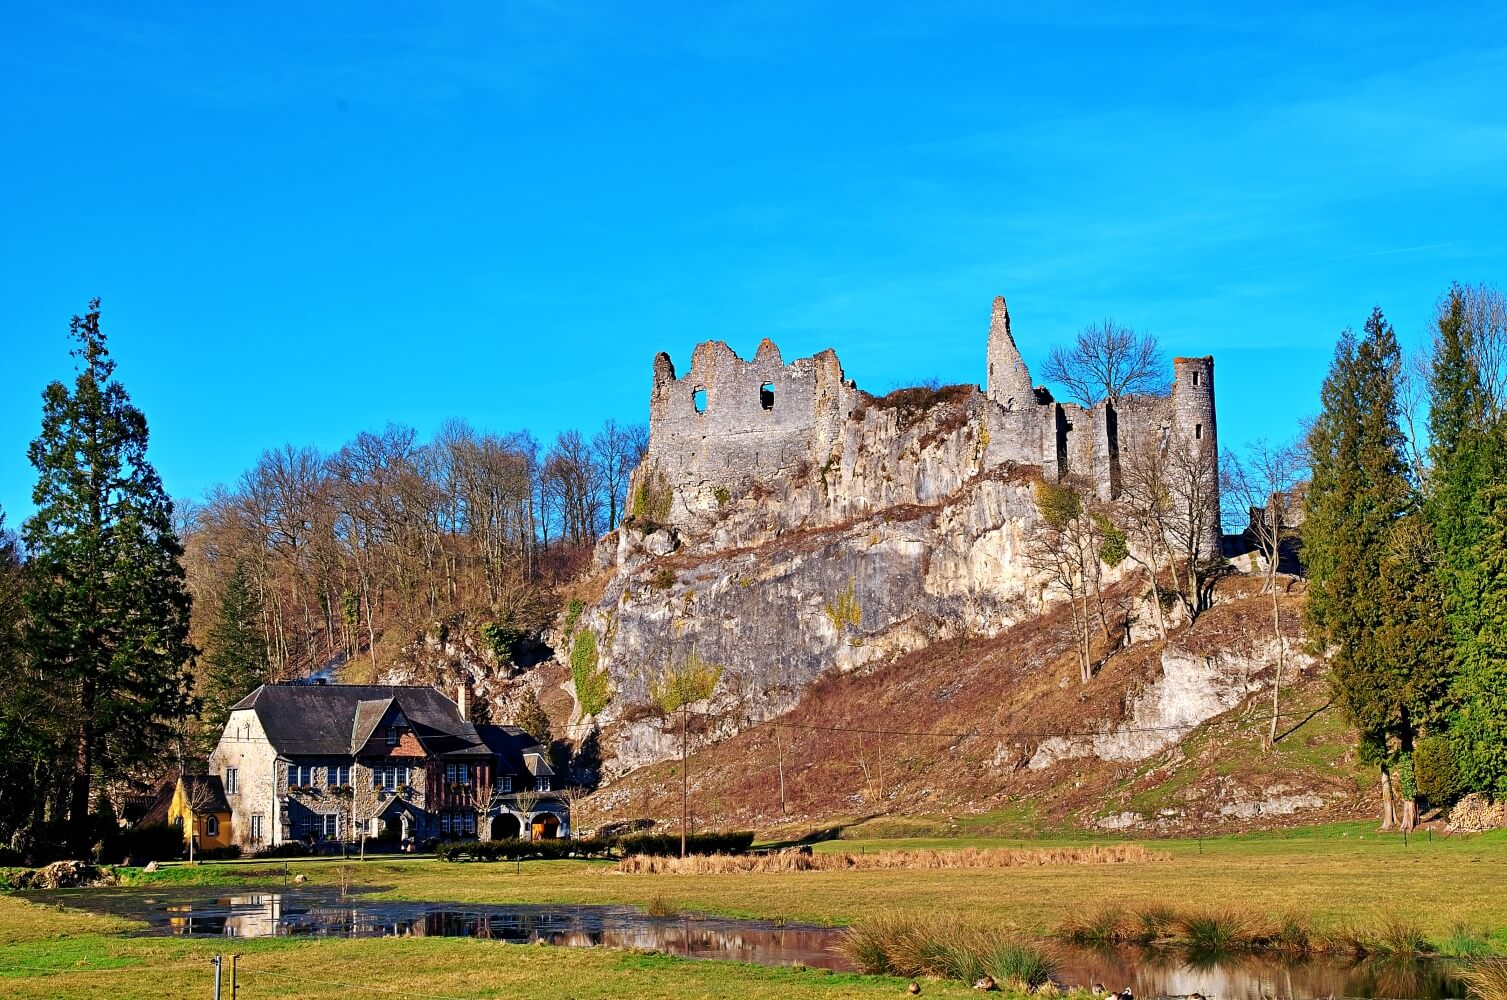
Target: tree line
[(128, 628), (1405, 539)]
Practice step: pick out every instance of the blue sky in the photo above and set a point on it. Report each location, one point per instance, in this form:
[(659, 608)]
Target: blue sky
[(309, 220)]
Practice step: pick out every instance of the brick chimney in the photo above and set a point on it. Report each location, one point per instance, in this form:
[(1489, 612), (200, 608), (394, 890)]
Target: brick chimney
[(463, 699)]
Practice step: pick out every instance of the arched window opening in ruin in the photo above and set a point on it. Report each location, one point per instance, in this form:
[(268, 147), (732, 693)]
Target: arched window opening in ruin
[(698, 396), (766, 395)]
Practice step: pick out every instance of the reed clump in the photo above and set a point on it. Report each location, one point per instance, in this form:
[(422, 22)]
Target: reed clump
[(1486, 978), (795, 861), (895, 944), (1225, 930), (661, 907)]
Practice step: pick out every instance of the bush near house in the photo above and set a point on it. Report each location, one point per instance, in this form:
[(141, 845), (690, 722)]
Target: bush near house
[(655, 844)]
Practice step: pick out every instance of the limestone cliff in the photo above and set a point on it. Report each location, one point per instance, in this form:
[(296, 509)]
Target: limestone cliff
[(787, 526)]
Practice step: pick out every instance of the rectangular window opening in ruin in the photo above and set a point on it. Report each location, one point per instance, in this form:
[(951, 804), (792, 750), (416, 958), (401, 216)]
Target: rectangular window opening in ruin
[(698, 397), (1195, 377), (1198, 432), (766, 395)]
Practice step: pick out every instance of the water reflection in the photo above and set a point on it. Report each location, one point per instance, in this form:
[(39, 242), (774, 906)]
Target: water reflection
[(1148, 973), (1225, 976)]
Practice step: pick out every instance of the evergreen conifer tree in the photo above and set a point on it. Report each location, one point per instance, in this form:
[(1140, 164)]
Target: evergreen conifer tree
[(235, 653), (530, 717), (108, 609), (1367, 601), (1468, 511), (1480, 729)]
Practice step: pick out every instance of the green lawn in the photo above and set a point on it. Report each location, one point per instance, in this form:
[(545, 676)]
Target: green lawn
[(1343, 873), (52, 954), (1339, 875)]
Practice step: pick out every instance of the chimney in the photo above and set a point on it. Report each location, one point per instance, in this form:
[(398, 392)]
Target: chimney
[(463, 699)]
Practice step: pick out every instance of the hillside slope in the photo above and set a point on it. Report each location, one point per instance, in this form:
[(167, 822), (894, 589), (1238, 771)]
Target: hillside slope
[(998, 735)]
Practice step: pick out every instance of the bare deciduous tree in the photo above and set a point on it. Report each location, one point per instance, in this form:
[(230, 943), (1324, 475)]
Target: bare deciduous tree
[(1066, 551), (1108, 361), (1263, 487)]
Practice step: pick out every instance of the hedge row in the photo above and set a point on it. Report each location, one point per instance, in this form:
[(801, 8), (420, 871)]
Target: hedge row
[(662, 844)]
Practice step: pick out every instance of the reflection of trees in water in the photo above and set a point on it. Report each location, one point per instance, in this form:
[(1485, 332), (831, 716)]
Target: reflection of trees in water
[(1150, 973), (1255, 975)]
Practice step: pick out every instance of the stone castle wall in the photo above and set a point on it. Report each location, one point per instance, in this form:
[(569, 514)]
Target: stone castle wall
[(728, 423)]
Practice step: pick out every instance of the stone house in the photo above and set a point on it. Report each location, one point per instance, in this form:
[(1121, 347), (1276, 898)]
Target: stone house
[(330, 762)]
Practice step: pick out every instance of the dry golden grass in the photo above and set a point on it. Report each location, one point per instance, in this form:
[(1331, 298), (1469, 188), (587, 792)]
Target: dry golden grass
[(929, 860), (1487, 978)]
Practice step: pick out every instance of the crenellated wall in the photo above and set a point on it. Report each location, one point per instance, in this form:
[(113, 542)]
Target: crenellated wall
[(729, 423)]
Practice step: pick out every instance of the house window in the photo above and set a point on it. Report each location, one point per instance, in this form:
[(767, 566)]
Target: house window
[(300, 776), (392, 736), (505, 783), (211, 826), (390, 777), (470, 820), (338, 775), (445, 824), (329, 826), (458, 774), (231, 774), (541, 784), (256, 827)]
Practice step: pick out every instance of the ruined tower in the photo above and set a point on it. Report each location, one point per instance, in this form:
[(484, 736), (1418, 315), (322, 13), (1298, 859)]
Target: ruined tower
[(1009, 382), (1193, 417)]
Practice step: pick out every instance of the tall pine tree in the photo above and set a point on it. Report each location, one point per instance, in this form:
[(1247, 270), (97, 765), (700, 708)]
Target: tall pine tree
[(108, 609), (235, 653), (1366, 604), (1468, 510)]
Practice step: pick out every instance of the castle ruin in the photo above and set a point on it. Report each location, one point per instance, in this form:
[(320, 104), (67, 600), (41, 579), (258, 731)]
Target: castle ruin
[(730, 421)]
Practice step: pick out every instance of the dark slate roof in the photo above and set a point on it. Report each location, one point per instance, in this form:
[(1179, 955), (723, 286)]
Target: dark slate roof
[(510, 744), (209, 792), (368, 715), (321, 719), (162, 799)]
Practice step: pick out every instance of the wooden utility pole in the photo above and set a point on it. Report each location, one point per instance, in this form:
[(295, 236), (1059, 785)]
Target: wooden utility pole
[(685, 777)]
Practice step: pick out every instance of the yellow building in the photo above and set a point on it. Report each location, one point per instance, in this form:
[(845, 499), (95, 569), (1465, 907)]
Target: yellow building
[(199, 807)]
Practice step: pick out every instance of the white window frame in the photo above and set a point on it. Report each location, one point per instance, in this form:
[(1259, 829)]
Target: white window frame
[(392, 736), (541, 784), (337, 775), (505, 783), (256, 827), (231, 774), (211, 825)]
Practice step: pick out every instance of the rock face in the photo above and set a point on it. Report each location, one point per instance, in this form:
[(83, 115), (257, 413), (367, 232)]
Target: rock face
[(784, 524)]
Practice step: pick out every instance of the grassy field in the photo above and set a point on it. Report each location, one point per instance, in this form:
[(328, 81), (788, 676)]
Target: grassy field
[(48, 953), (1338, 876)]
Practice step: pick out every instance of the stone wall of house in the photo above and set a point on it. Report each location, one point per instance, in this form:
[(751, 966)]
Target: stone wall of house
[(243, 745)]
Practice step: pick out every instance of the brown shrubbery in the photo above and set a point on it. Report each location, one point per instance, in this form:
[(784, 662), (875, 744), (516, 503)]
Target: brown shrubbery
[(895, 944), (1221, 930), (792, 861)]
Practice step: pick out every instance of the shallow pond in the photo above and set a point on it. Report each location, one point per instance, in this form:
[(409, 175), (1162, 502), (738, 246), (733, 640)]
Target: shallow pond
[(321, 912)]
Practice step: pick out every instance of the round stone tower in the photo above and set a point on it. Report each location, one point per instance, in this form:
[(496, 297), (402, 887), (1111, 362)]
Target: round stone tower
[(1009, 382), (1193, 418)]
